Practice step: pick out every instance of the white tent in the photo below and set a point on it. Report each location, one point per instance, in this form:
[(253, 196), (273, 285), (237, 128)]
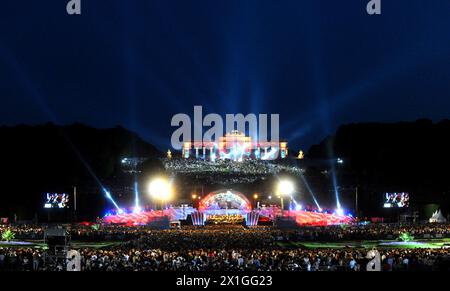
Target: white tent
[(438, 217)]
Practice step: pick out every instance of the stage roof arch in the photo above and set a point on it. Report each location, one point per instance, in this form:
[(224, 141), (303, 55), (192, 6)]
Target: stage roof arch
[(225, 201)]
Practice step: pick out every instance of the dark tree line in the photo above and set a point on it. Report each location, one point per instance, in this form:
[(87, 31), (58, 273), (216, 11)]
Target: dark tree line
[(407, 156), (49, 158)]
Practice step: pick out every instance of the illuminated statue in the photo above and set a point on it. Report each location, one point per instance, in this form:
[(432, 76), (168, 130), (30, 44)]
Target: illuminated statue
[(301, 155), (169, 154)]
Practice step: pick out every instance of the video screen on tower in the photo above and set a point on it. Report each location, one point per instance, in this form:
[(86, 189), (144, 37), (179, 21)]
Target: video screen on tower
[(396, 200), (56, 200)]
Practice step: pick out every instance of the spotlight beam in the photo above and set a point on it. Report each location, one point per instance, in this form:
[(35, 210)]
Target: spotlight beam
[(108, 195), (310, 192), (40, 101), (335, 186), (137, 207)]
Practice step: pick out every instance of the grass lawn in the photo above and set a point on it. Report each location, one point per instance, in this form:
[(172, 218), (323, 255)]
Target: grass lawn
[(386, 244), (40, 244)]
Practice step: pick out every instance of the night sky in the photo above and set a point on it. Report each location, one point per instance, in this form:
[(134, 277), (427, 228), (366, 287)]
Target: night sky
[(319, 64)]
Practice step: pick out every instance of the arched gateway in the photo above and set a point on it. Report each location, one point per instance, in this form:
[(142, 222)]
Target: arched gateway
[(225, 202)]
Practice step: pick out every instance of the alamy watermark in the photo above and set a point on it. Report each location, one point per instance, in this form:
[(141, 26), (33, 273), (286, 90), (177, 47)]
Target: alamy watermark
[(73, 7), (257, 127), (373, 7)]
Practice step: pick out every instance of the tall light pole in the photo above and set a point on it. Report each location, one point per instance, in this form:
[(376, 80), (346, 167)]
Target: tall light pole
[(255, 196), (75, 202)]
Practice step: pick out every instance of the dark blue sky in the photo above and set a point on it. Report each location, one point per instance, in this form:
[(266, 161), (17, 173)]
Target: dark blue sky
[(136, 63)]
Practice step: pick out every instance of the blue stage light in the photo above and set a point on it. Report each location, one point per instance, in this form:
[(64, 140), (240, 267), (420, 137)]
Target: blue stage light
[(137, 208), (340, 211)]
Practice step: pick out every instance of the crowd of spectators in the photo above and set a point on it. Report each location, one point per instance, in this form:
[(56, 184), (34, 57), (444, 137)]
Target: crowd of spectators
[(232, 248), (316, 233), (24, 231), (368, 232), (228, 171), (128, 258)]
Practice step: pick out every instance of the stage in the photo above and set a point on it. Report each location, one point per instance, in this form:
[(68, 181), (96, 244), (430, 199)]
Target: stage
[(228, 206)]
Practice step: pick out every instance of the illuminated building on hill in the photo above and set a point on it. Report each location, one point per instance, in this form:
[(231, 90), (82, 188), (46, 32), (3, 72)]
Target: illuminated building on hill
[(235, 146)]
